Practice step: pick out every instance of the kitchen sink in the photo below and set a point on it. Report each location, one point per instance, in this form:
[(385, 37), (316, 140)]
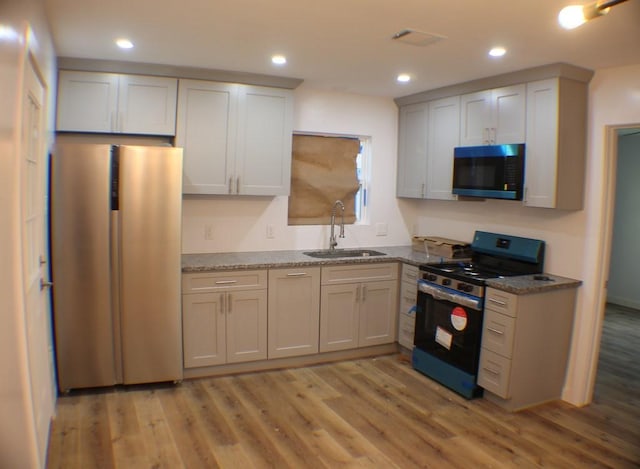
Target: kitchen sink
[(338, 253)]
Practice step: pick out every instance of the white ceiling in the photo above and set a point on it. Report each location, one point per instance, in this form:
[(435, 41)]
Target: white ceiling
[(345, 45)]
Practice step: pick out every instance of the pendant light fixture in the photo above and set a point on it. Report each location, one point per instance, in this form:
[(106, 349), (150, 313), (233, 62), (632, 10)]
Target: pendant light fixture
[(572, 16)]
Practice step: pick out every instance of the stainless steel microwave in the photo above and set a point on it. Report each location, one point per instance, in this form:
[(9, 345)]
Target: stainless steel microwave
[(489, 171)]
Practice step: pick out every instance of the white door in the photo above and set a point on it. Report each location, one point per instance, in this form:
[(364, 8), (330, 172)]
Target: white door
[(32, 151)]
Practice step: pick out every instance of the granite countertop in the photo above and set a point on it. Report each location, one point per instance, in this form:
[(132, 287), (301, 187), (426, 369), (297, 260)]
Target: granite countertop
[(272, 259), (525, 284)]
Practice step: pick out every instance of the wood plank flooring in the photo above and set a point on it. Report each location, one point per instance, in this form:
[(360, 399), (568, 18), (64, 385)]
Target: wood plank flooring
[(368, 413)]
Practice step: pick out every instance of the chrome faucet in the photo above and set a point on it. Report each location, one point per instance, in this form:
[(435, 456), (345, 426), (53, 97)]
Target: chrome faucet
[(333, 242)]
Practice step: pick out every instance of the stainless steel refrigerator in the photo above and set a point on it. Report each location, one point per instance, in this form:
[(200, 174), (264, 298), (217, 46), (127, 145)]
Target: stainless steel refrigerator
[(116, 246)]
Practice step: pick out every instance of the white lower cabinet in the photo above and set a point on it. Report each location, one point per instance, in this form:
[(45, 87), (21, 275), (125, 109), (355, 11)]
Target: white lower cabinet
[(408, 298), (294, 305), (358, 306), (525, 346), (224, 317)]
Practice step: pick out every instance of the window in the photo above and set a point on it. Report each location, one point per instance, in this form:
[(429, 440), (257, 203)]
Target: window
[(325, 169)]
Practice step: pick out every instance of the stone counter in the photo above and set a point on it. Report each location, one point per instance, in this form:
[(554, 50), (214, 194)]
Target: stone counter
[(526, 284), (275, 259)]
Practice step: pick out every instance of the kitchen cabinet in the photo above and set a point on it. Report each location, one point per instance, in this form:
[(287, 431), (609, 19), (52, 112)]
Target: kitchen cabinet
[(224, 317), (428, 132), (116, 103), (294, 311), (358, 306), (493, 116), (555, 143), (407, 311), (236, 138), (525, 346)]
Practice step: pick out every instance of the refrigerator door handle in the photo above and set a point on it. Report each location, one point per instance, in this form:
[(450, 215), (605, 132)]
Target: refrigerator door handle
[(115, 295)]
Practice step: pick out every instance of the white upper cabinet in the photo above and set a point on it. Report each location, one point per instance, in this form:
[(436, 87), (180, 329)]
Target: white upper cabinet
[(236, 138), (114, 103), (412, 151), (428, 133), (554, 159), (443, 136), (493, 116)]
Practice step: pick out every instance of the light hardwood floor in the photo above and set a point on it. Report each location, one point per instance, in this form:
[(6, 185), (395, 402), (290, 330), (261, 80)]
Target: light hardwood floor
[(374, 413)]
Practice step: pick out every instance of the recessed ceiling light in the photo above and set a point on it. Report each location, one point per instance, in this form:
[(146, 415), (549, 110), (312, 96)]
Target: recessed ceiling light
[(279, 59), (497, 52), (124, 43), (403, 78)]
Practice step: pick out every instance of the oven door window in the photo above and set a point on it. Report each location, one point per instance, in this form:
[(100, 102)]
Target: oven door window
[(449, 332)]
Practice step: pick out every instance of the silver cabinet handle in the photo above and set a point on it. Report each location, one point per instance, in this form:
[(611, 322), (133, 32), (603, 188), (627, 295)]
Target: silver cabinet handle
[(410, 299), (358, 294), (412, 276), (45, 284), (498, 302), (297, 274), (229, 303), (230, 179), (495, 331), (225, 282), (238, 185), (364, 293), (488, 370), (42, 260), (222, 295), (422, 190)]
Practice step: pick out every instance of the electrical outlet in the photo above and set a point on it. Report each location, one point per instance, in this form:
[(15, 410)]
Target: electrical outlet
[(208, 232), (381, 229), (270, 234)]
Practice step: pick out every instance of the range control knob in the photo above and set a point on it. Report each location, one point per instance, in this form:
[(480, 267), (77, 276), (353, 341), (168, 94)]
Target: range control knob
[(446, 282), (465, 287), (431, 277)]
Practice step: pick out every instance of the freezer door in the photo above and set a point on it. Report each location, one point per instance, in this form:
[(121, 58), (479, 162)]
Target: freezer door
[(150, 261), (81, 255)]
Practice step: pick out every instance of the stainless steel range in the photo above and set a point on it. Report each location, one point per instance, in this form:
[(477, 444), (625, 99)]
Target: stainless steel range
[(450, 306)]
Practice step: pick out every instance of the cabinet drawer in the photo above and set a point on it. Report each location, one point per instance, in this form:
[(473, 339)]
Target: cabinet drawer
[(410, 273), (494, 373), (229, 280), (408, 305), (406, 328), (359, 273), (498, 332), (500, 301)]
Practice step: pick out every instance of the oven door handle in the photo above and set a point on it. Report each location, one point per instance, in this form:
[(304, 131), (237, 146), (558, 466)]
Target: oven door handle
[(440, 294)]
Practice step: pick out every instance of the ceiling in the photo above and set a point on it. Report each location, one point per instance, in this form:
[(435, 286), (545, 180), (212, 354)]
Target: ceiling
[(345, 45)]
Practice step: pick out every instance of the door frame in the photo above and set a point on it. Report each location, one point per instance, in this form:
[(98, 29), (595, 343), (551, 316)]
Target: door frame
[(604, 246)]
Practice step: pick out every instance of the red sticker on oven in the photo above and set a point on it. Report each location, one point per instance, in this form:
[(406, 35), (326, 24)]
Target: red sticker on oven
[(459, 318)]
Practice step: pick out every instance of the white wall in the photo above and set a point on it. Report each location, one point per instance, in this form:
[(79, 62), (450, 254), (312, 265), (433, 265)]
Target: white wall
[(625, 251), (239, 224), (18, 446)]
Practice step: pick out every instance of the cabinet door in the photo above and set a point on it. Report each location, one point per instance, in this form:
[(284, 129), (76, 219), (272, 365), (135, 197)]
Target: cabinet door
[(508, 114), (412, 151), (444, 135), (378, 319), (541, 144), (339, 317), (206, 130), (246, 325), (203, 329), (147, 105), (87, 101), (263, 155), (475, 118), (294, 305)]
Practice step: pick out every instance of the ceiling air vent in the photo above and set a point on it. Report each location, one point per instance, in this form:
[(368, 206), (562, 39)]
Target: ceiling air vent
[(417, 38)]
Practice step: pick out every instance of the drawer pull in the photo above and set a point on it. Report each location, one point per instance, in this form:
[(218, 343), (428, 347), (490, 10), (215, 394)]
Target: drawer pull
[(488, 370), (297, 274), (498, 302), (491, 329), (411, 276), (410, 299), (226, 282)]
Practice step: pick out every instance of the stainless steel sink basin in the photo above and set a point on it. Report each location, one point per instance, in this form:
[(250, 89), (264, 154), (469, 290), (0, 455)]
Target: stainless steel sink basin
[(338, 253)]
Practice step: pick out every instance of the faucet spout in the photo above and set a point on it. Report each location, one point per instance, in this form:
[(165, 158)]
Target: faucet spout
[(333, 242)]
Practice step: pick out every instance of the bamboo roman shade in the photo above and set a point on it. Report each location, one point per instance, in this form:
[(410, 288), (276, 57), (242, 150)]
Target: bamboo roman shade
[(323, 170)]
